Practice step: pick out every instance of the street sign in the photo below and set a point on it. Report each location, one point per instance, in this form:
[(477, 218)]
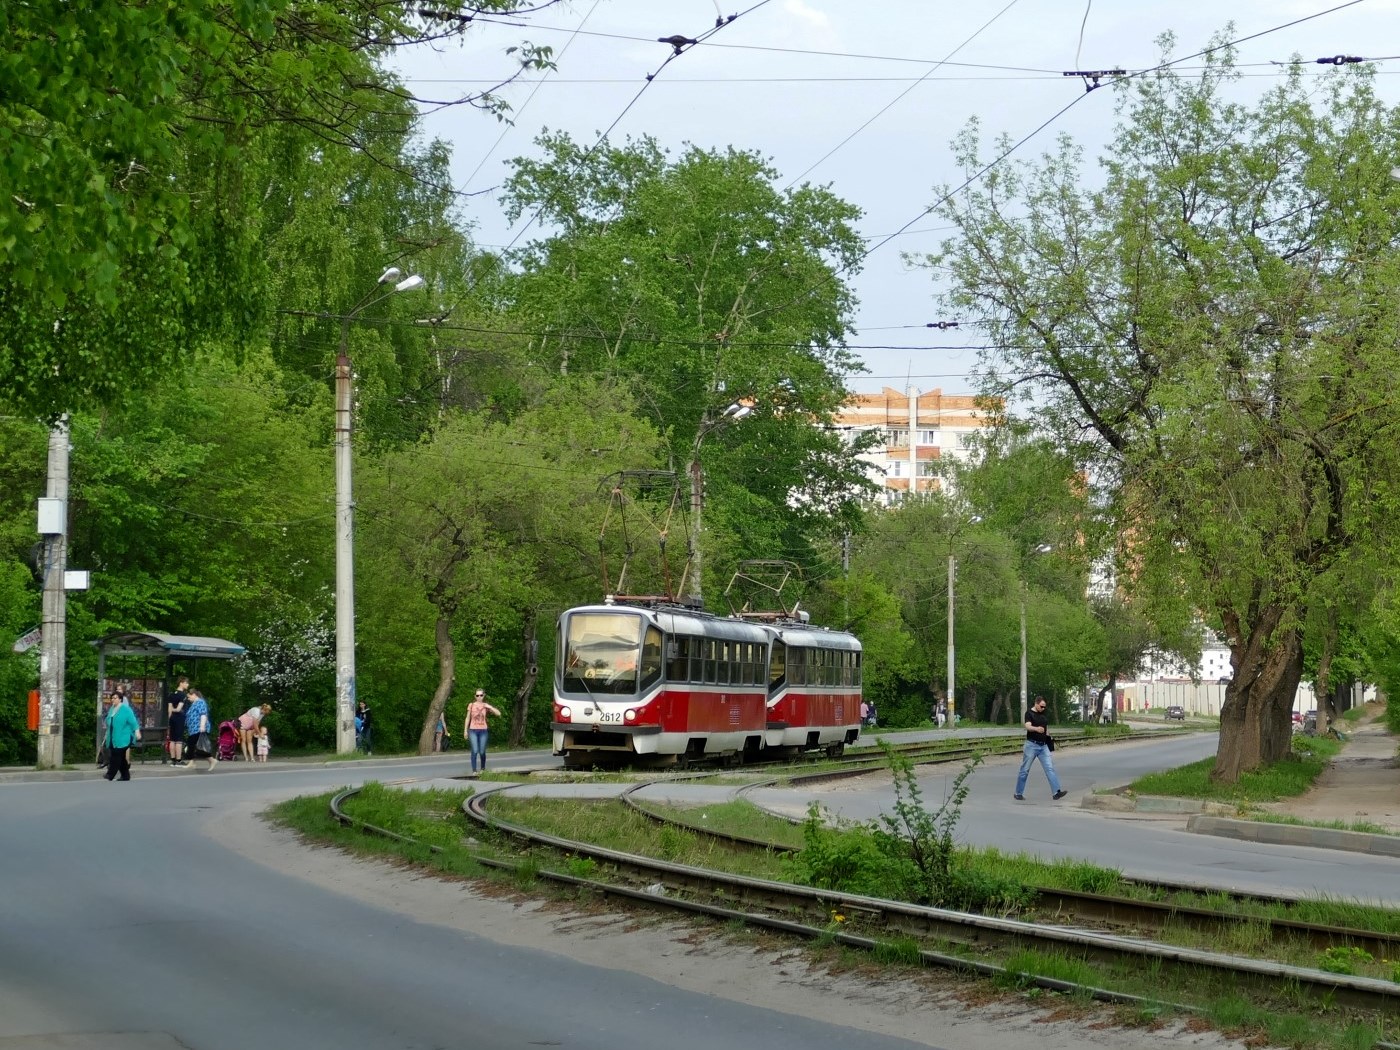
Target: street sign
[(28, 640)]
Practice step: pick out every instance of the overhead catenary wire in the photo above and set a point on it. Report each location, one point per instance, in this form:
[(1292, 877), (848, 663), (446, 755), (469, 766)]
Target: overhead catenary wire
[(510, 126), (895, 101), (976, 176), (680, 45)]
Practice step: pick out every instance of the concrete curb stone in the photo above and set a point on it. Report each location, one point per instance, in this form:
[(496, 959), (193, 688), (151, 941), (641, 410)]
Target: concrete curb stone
[(1295, 835)]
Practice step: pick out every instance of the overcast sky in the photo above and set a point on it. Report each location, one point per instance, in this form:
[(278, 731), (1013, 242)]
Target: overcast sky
[(891, 63)]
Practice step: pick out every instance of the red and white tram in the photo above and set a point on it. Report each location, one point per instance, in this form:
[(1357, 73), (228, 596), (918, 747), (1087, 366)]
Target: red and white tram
[(639, 682)]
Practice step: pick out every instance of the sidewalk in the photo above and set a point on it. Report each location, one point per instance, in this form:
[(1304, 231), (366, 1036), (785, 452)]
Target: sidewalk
[(1361, 784)]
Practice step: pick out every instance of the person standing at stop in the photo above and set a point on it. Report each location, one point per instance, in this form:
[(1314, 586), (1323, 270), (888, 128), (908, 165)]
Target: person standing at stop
[(474, 727), (123, 729)]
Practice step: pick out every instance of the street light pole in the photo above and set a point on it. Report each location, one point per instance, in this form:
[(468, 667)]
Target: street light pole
[(345, 519), (1023, 651), (1043, 548), (732, 414), (952, 661)]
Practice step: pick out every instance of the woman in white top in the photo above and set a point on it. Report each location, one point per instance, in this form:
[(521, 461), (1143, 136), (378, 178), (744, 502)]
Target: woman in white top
[(248, 723)]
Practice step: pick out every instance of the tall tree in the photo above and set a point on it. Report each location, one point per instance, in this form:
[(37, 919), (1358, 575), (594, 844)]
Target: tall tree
[(131, 135), (703, 285), (493, 521), (1207, 329)]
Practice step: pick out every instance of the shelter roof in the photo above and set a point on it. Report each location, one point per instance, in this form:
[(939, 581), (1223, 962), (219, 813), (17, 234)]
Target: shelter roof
[(149, 643)]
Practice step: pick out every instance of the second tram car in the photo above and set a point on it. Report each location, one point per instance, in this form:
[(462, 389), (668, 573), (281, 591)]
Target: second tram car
[(665, 683)]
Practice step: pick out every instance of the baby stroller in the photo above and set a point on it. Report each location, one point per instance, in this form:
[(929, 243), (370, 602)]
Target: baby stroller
[(228, 741)]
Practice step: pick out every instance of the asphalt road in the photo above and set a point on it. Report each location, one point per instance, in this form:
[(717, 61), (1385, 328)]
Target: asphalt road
[(1141, 847), (130, 919), (122, 912)]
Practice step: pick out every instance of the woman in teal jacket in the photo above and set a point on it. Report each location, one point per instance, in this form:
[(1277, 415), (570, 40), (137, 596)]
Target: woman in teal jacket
[(122, 731)]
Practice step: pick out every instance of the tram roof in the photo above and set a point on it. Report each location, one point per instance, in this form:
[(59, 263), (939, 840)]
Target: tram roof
[(684, 621), (806, 637)]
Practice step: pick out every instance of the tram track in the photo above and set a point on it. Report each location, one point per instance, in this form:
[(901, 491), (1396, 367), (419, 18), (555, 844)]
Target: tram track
[(1124, 912), (808, 912)]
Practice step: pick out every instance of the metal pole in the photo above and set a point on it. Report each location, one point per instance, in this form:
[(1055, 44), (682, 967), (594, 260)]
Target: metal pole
[(344, 552), (952, 690), (697, 500), (53, 645), (1023, 651)]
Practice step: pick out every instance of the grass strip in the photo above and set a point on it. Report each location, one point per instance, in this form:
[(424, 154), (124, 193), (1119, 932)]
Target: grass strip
[(1286, 779), (1280, 1016)]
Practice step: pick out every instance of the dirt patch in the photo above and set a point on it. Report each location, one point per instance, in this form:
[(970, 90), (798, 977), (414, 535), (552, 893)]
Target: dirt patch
[(927, 1008), (1361, 784)]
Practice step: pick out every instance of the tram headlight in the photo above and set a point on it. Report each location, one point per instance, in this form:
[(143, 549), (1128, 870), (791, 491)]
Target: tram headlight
[(565, 713), (630, 715)]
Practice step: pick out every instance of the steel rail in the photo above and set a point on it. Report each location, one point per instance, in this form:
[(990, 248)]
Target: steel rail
[(1122, 911), (474, 807), (957, 927)]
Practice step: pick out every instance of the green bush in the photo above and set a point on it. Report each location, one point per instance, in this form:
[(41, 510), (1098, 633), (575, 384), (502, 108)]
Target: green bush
[(907, 855)]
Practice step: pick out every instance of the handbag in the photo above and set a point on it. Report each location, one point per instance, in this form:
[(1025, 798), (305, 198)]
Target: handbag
[(104, 755), (202, 745), (1050, 742)]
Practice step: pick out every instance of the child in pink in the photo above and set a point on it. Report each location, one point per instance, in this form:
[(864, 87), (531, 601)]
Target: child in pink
[(264, 744)]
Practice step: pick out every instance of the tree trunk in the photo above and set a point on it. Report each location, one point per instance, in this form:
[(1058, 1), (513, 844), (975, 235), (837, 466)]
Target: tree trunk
[(1322, 684), (1255, 723), (1109, 689), (998, 699), (447, 678), (527, 684)]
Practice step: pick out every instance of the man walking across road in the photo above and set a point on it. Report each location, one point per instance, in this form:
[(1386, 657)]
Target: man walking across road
[(122, 730), (1037, 749)]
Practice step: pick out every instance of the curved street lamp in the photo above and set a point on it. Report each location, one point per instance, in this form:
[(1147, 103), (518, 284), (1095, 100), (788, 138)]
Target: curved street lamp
[(345, 514), (976, 519), (1043, 548), (733, 414)]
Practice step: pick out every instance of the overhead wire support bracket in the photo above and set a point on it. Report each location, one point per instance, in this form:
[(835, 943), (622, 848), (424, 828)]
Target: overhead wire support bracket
[(1092, 77)]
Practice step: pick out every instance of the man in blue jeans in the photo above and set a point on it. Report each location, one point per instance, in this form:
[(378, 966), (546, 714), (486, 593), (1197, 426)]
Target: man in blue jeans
[(1037, 749)]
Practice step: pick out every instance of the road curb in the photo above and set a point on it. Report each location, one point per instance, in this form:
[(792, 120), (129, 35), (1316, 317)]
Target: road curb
[(1164, 805), (1295, 835)]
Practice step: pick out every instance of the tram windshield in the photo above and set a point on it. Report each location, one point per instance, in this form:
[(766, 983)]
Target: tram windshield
[(601, 651)]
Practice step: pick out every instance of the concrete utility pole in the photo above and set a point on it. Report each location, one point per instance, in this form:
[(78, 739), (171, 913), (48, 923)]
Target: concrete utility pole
[(697, 504), (345, 514), (344, 556), (53, 525)]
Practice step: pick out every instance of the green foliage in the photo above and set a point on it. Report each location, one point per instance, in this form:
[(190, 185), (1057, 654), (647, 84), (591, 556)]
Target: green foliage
[(1219, 392), (852, 860), (1089, 878), (583, 867), (1343, 959), (699, 283), (144, 147), (1286, 779), (902, 951), (909, 854)]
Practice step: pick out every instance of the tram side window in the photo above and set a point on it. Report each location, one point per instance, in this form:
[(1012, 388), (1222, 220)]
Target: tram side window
[(797, 666), (711, 655), (651, 657), (777, 666), (857, 680), (748, 675), (677, 667), (696, 647), (722, 663), (846, 669)]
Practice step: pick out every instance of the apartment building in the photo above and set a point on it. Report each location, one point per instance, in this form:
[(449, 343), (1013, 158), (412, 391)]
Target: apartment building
[(919, 432)]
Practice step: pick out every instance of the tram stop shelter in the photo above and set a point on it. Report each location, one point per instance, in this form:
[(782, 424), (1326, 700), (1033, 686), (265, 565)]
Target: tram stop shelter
[(155, 659)]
